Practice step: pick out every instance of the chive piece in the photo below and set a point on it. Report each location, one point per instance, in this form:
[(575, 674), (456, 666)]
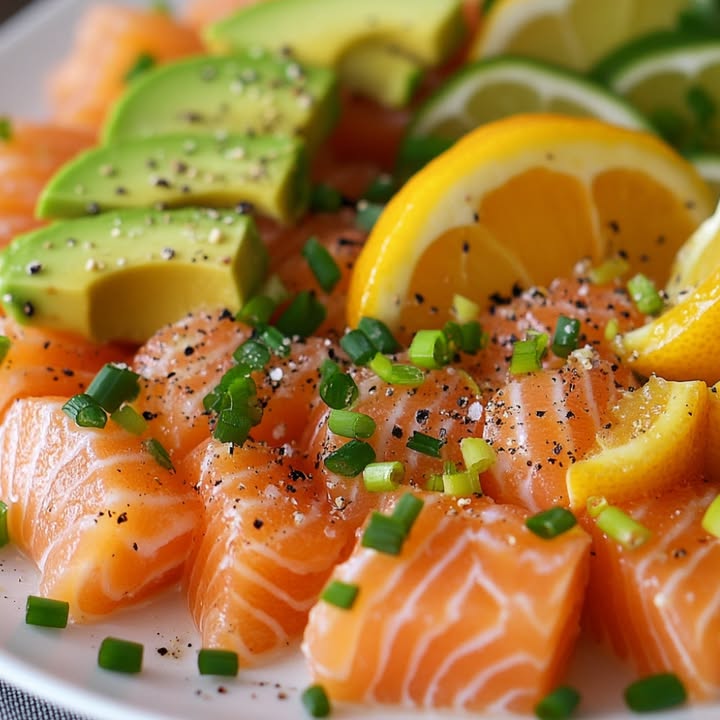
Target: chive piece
[(325, 198), (120, 655), (143, 62), (435, 483), (113, 385), (351, 458), (129, 419), (274, 339), (551, 523), (323, 265), (85, 411), (275, 289), (4, 532), (711, 518), (383, 476), (256, 311), (233, 426), (338, 390), (477, 454), (566, 337), (329, 367), (46, 612), (406, 511), (358, 346), (379, 335), (252, 353), (303, 316), (527, 354), (315, 701), (384, 533), (381, 189), (158, 453), (429, 349), (351, 424), (559, 704), (619, 526), (612, 329), (236, 377), (340, 594), (595, 505), (425, 444), (6, 129), (368, 214), (465, 309), (461, 483), (474, 338), (396, 373), (655, 692), (644, 294), (213, 661), (5, 344), (609, 270), (418, 150), (453, 335)]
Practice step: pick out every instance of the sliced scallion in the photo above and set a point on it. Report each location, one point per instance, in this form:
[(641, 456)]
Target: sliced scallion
[(325, 198), (474, 338), (4, 532), (46, 612), (303, 316), (212, 661), (425, 444), (233, 426), (645, 295), (85, 411), (351, 458), (5, 344), (129, 419), (120, 655), (142, 64), (711, 518), (368, 214), (559, 704), (464, 309), (406, 511), (252, 353), (6, 128), (478, 454), (158, 453), (566, 337), (315, 701), (611, 269), (379, 335), (527, 354), (381, 189), (595, 505), (551, 523), (274, 339), (384, 534), (351, 424), (257, 310), (338, 390), (461, 483), (340, 594), (612, 329), (434, 483), (383, 476), (655, 692), (396, 373), (113, 385), (322, 264), (619, 526), (358, 347), (429, 349)]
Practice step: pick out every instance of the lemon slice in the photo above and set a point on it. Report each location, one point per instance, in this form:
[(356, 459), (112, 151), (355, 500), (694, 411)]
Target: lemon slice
[(521, 200), (571, 33), (655, 441)]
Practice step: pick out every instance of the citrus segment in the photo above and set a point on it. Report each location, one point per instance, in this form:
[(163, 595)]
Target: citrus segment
[(655, 441), (546, 189)]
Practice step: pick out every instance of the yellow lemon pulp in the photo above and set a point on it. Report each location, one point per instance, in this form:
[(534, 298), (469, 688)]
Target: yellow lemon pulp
[(520, 201), (656, 440)]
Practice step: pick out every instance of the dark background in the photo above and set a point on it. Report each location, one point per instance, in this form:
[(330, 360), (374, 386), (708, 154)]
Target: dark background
[(8, 7)]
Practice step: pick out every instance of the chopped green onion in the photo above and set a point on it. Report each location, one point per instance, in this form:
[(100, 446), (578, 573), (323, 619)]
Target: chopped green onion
[(435, 483), (383, 476), (611, 269), (474, 338), (351, 458), (477, 454), (429, 349), (551, 523), (566, 337), (340, 594), (233, 426), (329, 367), (379, 335), (252, 353), (418, 150), (655, 692), (358, 346), (315, 701), (4, 532), (325, 198), (213, 661), (158, 453), (274, 339), (120, 655), (559, 704), (6, 129), (143, 63), (381, 189), (425, 444), (303, 316), (612, 329), (406, 511), (338, 390), (219, 397), (113, 385), (595, 505), (619, 526), (368, 214), (384, 534), (644, 294), (465, 309), (527, 354), (85, 411), (46, 612), (5, 344), (322, 264), (129, 419), (396, 373), (453, 335), (461, 483), (257, 311), (351, 424), (711, 518)]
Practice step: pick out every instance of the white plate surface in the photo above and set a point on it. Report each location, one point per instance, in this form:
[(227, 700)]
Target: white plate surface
[(61, 665)]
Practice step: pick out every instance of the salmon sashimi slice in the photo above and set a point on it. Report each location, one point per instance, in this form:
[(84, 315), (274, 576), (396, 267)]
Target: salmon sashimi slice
[(656, 604), (542, 422), (268, 542), (445, 407), (476, 613), (109, 41), (105, 523), (45, 362)]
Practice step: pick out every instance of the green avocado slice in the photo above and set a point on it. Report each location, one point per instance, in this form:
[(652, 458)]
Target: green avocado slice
[(216, 170), (252, 92), (122, 275)]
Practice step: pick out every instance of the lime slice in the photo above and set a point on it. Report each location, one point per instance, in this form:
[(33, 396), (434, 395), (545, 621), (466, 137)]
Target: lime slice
[(676, 84)]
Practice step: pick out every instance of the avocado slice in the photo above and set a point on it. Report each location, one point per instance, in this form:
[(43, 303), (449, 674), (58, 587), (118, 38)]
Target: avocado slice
[(252, 92), (122, 275), (323, 32), (215, 170)]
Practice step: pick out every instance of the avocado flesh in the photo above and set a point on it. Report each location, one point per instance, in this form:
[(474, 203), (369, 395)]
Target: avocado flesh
[(183, 169), (322, 32), (122, 275), (250, 93)]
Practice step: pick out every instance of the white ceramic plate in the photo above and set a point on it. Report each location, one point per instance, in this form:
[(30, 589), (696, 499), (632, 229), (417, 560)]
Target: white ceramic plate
[(60, 665)]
